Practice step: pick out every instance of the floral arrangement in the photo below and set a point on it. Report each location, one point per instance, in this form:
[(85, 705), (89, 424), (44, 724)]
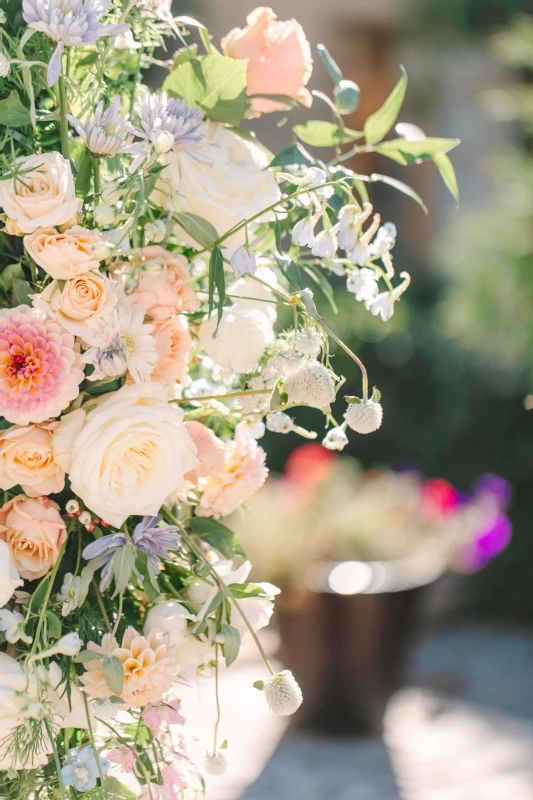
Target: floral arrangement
[(148, 240), (324, 507)]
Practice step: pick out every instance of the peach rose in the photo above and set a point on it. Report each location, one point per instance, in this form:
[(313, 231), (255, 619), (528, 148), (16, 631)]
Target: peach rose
[(210, 451), (174, 345), (27, 458), (35, 532), (83, 298), (63, 255), (164, 293), (279, 58), (44, 197)]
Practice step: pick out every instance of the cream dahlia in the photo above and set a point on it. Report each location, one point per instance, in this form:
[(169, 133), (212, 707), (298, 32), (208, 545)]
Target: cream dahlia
[(149, 667), (40, 366)]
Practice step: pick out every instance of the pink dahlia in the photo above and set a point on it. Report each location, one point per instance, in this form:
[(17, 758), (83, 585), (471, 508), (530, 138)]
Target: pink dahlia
[(40, 367), (243, 473)]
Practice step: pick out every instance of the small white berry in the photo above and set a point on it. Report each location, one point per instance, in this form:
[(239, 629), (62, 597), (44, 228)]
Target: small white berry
[(216, 764), (364, 417), (283, 694), (85, 518), (72, 507), (279, 422)]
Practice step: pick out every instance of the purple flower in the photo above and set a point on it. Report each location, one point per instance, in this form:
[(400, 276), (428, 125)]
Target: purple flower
[(69, 23), (158, 114), (147, 537), (495, 488), (489, 542)]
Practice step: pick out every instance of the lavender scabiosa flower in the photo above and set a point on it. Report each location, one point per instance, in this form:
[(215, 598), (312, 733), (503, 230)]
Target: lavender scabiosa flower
[(68, 23), (108, 132), (160, 115), (105, 549)]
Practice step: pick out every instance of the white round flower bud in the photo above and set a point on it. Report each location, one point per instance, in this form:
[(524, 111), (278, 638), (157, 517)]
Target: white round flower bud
[(5, 65), (155, 231), (216, 764), (102, 250), (104, 215), (85, 518), (153, 267), (310, 384), (364, 417), (164, 143), (279, 422), (72, 507), (335, 439), (283, 694), (347, 95)]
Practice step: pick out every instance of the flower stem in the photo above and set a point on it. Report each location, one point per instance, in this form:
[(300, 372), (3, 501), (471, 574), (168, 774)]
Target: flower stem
[(56, 757), (353, 356), (96, 177), (217, 702), (100, 601), (63, 121), (228, 396)]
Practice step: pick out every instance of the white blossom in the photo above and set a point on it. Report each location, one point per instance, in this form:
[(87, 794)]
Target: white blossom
[(309, 343), (365, 416), (364, 284), (283, 694), (303, 233), (243, 261), (104, 215), (12, 626), (5, 65), (70, 592), (216, 764), (310, 383), (155, 231), (325, 244), (351, 220), (335, 439), (383, 304), (279, 422), (107, 132)]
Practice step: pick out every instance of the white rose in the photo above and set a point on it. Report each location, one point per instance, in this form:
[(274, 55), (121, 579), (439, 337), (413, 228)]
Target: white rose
[(242, 338), (171, 617), (127, 454), (77, 301), (234, 186), (252, 294), (43, 195), (9, 577), (257, 610)]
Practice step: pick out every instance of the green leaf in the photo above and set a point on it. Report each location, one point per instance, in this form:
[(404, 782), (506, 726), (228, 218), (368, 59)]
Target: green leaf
[(86, 576), (8, 274), (113, 670), (37, 598), (292, 273), (361, 189), (21, 292), (291, 155), (259, 685), (323, 284), (150, 585), (217, 535), (54, 624), (319, 133), (83, 177), (401, 187), (115, 790), (232, 643), (379, 124), (445, 167), (329, 63), (123, 563), (198, 228), (214, 83), (404, 152), (13, 114), (277, 234), (85, 656), (217, 280), (243, 590)]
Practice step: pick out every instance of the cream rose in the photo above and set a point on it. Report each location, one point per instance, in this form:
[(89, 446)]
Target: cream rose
[(44, 197), (167, 291), (242, 338), (10, 579), (35, 533), (79, 300), (27, 458), (234, 186), (127, 454), (64, 255)]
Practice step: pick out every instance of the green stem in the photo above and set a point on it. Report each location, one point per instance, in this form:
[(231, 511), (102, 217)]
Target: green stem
[(229, 396), (100, 601), (352, 355), (42, 610), (217, 701), (93, 740), (56, 757), (63, 121), (96, 177)]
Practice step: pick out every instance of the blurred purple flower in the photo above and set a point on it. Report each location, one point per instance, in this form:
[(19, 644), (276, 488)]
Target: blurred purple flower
[(68, 23), (488, 543), (495, 488), (147, 537)]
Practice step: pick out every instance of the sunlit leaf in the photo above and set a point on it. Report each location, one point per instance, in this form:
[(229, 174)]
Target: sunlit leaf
[(319, 133), (445, 167), (404, 152), (380, 123)]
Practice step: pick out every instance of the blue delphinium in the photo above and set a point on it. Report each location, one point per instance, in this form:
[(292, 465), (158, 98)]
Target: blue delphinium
[(81, 770), (148, 537)]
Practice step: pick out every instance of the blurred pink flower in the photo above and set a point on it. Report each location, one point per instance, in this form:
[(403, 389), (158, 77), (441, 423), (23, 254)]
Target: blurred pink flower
[(243, 473), (210, 451), (279, 58), (40, 366), (156, 714), (439, 498), (124, 757), (168, 290)]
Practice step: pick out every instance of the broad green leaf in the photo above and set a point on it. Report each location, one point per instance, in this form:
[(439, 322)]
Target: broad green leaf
[(123, 563), (217, 535), (113, 670), (445, 167), (404, 152), (232, 643), (150, 585), (37, 598), (217, 280), (379, 124), (291, 270), (277, 234), (293, 154), (83, 177), (319, 133), (86, 576), (54, 624), (186, 54), (198, 228), (8, 275), (243, 590), (87, 655), (21, 292), (13, 114), (401, 187), (214, 83), (324, 285), (115, 790)]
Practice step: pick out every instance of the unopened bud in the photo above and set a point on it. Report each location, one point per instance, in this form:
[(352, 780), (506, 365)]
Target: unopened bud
[(104, 215), (347, 95), (102, 250), (365, 416), (283, 694), (163, 143), (216, 764), (155, 231)]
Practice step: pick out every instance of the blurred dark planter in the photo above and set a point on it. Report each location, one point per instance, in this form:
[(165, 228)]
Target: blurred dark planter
[(349, 651)]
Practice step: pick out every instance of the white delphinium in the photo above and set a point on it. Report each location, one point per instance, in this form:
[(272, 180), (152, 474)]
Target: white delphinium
[(283, 694), (310, 383), (155, 231), (383, 244), (309, 343), (12, 626), (121, 342), (364, 416), (279, 422), (216, 764), (159, 114), (325, 244), (68, 23), (107, 132), (303, 233), (364, 284), (335, 439), (351, 220), (68, 645), (315, 178), (69, 595), (5, 65), (243, 261), (383, 303)]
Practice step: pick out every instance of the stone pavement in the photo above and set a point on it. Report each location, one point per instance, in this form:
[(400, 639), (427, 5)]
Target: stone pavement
[(463, 730)]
